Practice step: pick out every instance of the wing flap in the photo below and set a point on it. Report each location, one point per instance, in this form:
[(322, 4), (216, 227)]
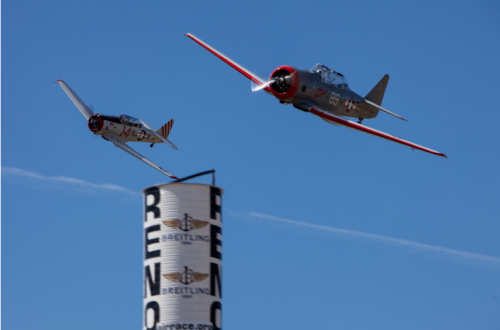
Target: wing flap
[(259, 81), (120, 144), (335, 120), (84, 109)]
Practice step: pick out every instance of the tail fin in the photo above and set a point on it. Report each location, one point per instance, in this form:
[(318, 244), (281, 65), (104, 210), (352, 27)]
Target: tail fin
[(165, 129), (377, 93)]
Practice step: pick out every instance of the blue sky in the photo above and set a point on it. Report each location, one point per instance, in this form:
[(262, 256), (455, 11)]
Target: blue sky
[(324, 227)]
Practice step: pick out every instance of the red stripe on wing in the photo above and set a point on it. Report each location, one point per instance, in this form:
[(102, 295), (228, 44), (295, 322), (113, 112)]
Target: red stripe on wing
[(229, 61), (371, 131)]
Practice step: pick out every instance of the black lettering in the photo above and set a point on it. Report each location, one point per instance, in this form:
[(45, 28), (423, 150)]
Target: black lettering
[(154, 286), (155, 253), (214, 207), (215, 276), (154, 191), (214, 242), (213, 315), (156, 308)]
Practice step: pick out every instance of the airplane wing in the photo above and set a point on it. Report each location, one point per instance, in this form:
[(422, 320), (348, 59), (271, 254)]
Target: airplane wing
[(120, 144), (259, 81), (84, 109), (335, 120)]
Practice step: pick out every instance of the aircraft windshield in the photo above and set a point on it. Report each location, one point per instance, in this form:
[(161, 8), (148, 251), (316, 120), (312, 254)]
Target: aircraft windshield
[(330, 77), (130, 121)]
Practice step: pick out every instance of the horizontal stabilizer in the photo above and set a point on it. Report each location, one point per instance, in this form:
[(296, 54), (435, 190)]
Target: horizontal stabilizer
[(384, 110), (158, 134)]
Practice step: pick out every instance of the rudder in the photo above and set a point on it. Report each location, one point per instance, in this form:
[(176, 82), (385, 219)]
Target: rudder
[(165, 129), (376, 95)]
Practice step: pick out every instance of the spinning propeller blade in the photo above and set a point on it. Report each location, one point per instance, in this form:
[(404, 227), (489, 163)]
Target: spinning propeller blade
[(256, 88)]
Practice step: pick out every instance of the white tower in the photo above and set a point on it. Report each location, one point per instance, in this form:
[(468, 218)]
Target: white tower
[(182, 257)]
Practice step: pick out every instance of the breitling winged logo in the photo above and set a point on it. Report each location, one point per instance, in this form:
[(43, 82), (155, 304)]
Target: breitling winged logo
[(186, 224), (187, 277)]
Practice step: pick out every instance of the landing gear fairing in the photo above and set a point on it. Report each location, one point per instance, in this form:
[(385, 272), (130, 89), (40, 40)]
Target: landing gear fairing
[(324, 93), (122, 129)]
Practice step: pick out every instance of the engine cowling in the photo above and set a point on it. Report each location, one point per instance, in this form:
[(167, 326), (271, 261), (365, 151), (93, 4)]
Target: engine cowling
[(95, 123), (286, 82)]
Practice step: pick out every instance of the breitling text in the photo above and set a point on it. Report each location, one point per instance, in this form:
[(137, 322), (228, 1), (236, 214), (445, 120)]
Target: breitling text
[(185, 290), (186, 238)]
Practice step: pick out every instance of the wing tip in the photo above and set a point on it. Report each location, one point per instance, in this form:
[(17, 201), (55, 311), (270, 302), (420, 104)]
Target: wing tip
[(174, 177), (439, 154)]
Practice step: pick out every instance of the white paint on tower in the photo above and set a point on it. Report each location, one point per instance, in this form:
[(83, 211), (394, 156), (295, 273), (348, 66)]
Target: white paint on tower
[(182, 257)]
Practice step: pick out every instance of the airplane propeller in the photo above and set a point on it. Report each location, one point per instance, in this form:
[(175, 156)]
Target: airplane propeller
[(94, 122), (256, 88), (282, 82)]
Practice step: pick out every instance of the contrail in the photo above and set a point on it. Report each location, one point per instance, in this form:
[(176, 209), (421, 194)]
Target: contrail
[(467, 256), (66, 180)]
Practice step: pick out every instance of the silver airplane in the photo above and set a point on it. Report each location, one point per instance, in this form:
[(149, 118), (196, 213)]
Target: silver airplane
[(122, 129), (322, 92)]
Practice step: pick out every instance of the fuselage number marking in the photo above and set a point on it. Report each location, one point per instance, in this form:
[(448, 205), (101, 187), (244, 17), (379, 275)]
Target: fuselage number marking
[(334, 99), (127, 133)]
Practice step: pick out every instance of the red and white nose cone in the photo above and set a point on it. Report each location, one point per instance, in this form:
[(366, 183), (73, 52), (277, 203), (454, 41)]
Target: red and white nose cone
[(286, 82), (95, 123)]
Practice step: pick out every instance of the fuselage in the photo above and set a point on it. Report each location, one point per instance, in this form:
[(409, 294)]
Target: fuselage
[(124, 130), (329, 94)]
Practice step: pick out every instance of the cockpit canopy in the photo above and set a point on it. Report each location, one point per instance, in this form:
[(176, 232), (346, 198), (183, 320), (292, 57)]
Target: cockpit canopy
[(330, 77), (130, 121)]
